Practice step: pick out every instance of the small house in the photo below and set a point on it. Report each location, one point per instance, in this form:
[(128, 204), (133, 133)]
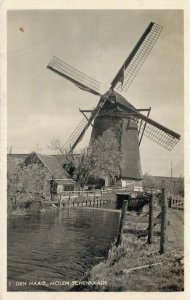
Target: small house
[(53, 166)]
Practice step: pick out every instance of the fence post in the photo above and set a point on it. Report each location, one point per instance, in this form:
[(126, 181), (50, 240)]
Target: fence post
[(122, 219), (69, 198), (101, 201), (163, 236), (60, 202), (151, 220)]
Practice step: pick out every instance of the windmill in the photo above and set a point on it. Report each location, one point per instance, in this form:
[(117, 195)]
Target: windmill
[(115, 112)]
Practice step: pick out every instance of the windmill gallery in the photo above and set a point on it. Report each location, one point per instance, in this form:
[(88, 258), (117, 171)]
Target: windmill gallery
[(115, 112)]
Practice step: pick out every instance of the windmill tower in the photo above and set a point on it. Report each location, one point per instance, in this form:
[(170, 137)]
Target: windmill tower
[(115, 112)]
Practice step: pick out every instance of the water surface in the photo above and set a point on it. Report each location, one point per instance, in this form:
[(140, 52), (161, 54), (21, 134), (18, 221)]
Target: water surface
[(57, 246)]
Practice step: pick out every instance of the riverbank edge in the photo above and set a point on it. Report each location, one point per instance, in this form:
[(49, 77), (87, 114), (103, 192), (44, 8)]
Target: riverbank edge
[(47, 207), (137, 266), (31, 210)]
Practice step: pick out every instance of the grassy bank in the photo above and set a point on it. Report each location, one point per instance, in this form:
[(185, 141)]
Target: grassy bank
[(168, 276), (133, 253)]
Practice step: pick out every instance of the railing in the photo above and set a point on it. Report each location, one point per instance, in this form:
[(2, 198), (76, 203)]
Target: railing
[(84, 198), (87, 193)]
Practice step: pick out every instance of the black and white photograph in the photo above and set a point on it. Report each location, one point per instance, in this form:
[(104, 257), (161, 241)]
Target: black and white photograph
[(95, 150)]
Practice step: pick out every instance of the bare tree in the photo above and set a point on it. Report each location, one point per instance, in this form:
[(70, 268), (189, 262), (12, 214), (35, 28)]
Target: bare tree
[(105, 155), (102, 158)]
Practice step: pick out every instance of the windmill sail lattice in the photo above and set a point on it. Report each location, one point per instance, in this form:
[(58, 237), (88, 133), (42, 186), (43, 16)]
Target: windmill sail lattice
[(80, 79), (82, 127), (162, 138), (75, 135), (153, 130), (136, 59)]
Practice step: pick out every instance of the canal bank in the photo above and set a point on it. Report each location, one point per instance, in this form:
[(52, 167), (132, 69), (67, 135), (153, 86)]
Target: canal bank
[(138, 266), (93, 198)]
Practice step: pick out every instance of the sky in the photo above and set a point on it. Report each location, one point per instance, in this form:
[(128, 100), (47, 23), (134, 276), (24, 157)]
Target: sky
[(43, 106)]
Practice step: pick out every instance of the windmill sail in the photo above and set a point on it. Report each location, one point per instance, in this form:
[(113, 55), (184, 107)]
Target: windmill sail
[(80, 79), (137, 57), (156, 132), (82, 127), (159, 134), (69, 145)]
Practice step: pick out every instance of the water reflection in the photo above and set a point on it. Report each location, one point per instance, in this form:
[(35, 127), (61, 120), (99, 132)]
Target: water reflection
[(60, 245)]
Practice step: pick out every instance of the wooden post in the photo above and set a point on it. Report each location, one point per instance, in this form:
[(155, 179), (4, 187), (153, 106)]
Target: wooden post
[(163, 236), (101, 201), (94, 198), (69, 200), (151, 221), (60, 202), (122, 219), (79, 195)]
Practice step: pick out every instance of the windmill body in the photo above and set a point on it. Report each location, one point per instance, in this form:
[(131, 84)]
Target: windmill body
[(114, 112), (113, 116)]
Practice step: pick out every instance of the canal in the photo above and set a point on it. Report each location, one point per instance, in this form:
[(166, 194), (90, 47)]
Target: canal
[(48, 251)]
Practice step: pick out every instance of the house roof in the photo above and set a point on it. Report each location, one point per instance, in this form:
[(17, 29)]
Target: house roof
[(21, 156), (52, 164)]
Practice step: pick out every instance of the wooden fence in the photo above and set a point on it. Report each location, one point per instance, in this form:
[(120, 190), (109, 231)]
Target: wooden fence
[(177, 202), (84, 198), (161, 219)]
